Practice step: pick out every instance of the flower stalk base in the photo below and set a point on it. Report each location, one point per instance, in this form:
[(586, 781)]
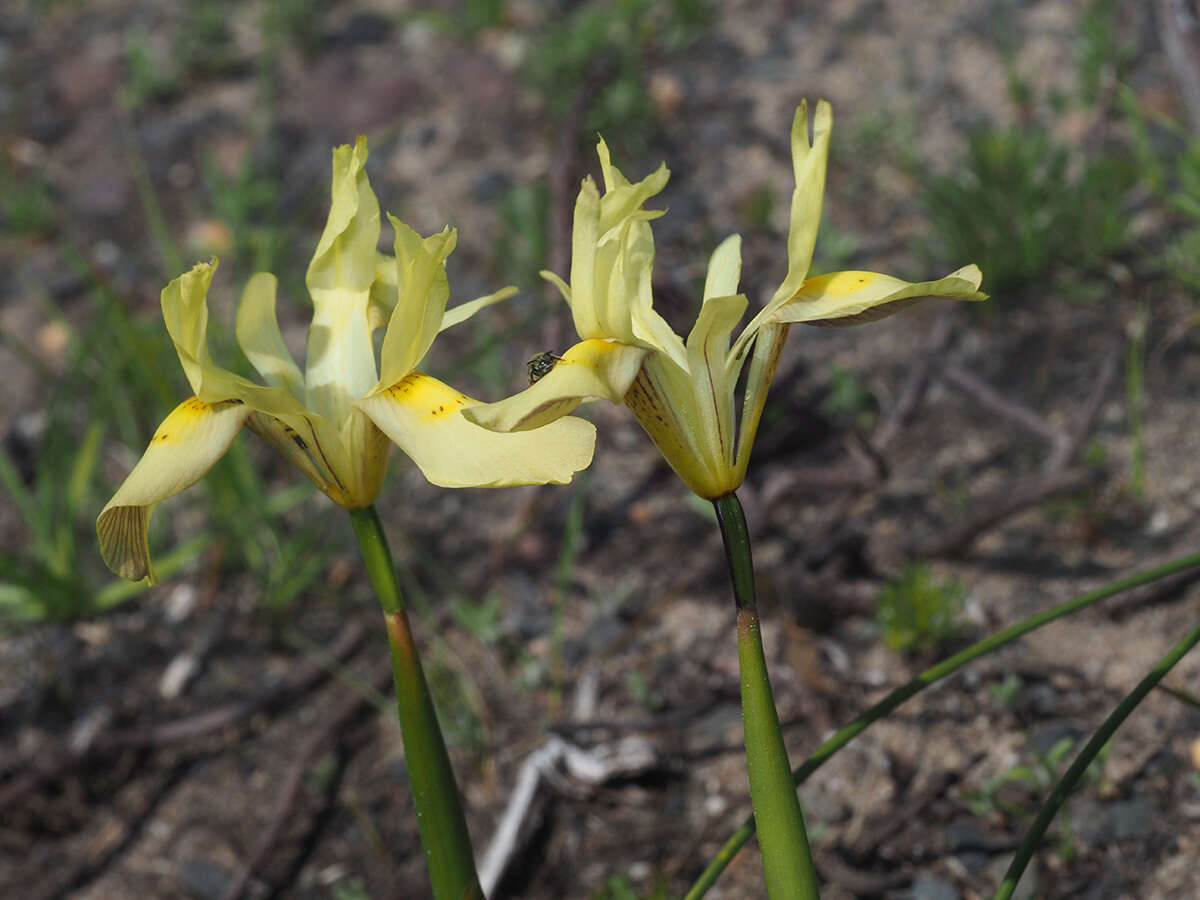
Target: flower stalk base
[(787, 859), (435, 792)]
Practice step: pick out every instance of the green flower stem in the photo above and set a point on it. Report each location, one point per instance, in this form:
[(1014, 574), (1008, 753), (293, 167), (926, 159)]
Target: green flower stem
[(929, 677), (787, 860), (435, 793), (1033, 837)]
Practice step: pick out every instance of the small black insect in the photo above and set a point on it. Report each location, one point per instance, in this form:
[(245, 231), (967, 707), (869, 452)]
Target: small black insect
[(540, 365)]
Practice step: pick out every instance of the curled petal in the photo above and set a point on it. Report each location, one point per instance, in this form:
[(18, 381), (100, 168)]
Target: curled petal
[(421, 303), (185, 312), (423, 417), (259, 337), (590, 370), (185, 446), (809, 159), (854, 298), (623, 200), (810, 155)]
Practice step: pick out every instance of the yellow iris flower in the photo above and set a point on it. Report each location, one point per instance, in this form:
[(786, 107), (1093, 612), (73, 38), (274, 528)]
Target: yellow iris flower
[(683, 392), (335, 421)]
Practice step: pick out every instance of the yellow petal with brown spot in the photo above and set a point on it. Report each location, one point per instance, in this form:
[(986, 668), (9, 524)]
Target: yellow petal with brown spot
[(423, 416), (185, 446)]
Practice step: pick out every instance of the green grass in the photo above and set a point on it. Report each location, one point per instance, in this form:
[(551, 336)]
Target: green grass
[(1021, 207), (602, 47)]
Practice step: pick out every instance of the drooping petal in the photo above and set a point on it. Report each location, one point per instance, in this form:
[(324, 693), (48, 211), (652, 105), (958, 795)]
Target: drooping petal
[(662, 399), (713, 392), (312, 445), (853, 298), (341, 357), (367, 449), (590, 370), (185, 446), (768, 343), (464, 311), (423, 291), (423, 416), (258, 335)]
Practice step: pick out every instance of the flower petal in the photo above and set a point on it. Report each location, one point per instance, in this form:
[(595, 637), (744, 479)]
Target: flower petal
[(809, 158), (185, 446), (258, 334), (662, 399), (768, 343), (585, 232), (423, 416), (622, 199), (423, 291), (590, 370), (724, 268), (185, 312), (464, 311), (712, 390), (853, 298), (808, 165), (341, 357), (383, 292)]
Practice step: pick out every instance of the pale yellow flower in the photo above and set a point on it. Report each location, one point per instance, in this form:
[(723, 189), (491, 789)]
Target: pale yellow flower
[(683, 393), (336, 420)]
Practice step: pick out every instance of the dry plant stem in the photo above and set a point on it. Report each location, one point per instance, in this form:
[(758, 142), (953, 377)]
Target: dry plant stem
[(927, 678), (435, 792), (787, 860), (1033, 837)]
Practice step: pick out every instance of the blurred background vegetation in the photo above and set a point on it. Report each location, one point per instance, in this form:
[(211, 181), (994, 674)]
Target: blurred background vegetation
[(1045, 142)]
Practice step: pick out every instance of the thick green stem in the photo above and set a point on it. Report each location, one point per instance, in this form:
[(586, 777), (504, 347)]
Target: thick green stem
[(787, 860), (1033, 837), (929, 677), (435, 792)]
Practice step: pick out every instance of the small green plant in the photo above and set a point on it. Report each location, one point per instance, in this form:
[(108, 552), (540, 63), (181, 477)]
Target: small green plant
[(1020, 205), (916, 612), (1031, 781)]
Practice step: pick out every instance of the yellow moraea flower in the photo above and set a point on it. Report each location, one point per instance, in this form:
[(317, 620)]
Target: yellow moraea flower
[(683, 392), (335, 421)]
